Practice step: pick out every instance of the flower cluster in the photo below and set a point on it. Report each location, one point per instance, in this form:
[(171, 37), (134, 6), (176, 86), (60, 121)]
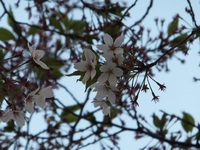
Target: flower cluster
[(19, 102), (17, 113), (37, 55), (102, 76)]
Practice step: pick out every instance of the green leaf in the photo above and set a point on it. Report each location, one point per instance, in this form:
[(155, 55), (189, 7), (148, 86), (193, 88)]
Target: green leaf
[(77, 26), (187, 122), (156, 121), (179, 39), (33, 30), (90, 117), (114, 112), (56, 23), (75, 73), (68, 113), (70, 118), (6, 35), (163, 121), (74, 108), (172, 26), (10, 22), (10, 126)]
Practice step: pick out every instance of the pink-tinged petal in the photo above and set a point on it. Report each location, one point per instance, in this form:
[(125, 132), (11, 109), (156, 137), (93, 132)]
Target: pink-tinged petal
[(89, 55), (86, 77), (108, 55), (103, 77), (111, 65), (104, 68), (31, 48), (81, 66), (97, 103), (40, 100), (111, 97), (118, 72), (100, 95), (108, 39), (93, 73), (106, 110), (19, 117), (38, 54), (33, 92), (119, 50), (112, 80), (46, 92), (119, 41), (7, 116), (120, 59), (103, 47), (41, 64), (29, 106)]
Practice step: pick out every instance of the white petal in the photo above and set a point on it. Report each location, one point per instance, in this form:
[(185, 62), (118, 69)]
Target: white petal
[(108, 55), (112, 80), (119, 50), (46, 92), (104, 68), (93, 73), (19, 118), (43, 65), (111, 65), (86, 77), (103, 77), (106, 110), (29, 106), (89, 55), (7, 116), (103, 47), (108, 39), (97, 103), (33, 92), (111, 97), (119, 41), (31, 48), (118, 72), (100, 95), (81, 66), (40, 100), (38, 54)]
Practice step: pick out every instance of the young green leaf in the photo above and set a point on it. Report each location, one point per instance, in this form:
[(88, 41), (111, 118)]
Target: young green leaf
[(6, 35), (173, 26), (156, 121), (187, 122)]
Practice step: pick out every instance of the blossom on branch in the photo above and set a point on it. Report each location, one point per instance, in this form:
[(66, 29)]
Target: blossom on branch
[(17, 115), (103, 105), (87, 66), (104, 91), (37, 55), (110, 45), (38, 97), (110, 73)]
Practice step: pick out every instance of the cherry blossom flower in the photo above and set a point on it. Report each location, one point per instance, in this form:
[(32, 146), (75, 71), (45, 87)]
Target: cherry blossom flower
[(17, 115), (103, 105), (110, 73), (29, 102), (37, 55), (116, 58), (38, 97), (87, 66), (104, 91), (110, 45)]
